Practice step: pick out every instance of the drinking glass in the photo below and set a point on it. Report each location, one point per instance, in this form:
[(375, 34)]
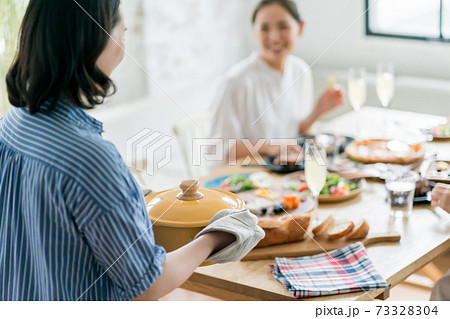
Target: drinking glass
[(385, 83), (385, 87), (400, 188), (331, 144), (357, 92), (315, 172)]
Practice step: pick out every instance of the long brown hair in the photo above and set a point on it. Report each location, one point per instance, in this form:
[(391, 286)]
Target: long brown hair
[(59, 45)]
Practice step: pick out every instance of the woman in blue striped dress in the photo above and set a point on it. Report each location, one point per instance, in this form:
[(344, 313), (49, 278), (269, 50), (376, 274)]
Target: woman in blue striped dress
[(73, 221)]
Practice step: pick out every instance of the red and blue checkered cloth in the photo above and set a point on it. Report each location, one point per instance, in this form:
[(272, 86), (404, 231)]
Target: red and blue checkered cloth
[(343, 270)]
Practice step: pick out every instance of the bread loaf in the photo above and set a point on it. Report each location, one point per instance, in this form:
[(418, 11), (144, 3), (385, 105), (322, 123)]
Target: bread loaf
[(285, 229)]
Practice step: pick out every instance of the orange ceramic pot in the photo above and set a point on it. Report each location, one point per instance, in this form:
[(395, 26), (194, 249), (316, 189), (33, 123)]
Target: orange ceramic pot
[(178, 215)]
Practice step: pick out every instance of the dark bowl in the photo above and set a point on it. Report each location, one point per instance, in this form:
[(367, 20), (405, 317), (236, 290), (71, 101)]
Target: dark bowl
[(282, 169), (286, 169), (424, 199), (344, 141)]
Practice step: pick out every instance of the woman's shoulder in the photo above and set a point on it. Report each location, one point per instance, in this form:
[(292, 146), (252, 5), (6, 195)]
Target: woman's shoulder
[(242, 69), (298, 63)]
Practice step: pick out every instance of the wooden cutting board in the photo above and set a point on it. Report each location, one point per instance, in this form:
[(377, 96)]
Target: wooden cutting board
[(309, 246)]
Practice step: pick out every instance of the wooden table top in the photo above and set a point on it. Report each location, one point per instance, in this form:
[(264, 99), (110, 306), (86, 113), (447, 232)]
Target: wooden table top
[(422, 239)]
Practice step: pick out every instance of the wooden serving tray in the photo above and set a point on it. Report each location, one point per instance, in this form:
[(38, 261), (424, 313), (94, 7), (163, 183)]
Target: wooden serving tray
[(309, 246)]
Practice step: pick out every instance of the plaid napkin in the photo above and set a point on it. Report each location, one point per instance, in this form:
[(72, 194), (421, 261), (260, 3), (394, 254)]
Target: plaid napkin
[(343, 270)]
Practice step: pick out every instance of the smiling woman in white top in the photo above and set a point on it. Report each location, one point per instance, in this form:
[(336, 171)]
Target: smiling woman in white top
[(270, 93)]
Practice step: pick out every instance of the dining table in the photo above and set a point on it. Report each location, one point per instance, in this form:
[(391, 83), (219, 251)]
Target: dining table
[(422, 238)]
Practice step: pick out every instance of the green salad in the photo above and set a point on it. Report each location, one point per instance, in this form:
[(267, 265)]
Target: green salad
[(441, 131), (237, 183), (334, 185)]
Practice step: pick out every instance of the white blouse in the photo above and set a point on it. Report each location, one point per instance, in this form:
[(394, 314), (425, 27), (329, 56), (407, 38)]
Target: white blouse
[(253, 91)]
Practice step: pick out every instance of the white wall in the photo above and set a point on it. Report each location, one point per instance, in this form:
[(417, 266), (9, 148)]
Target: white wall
[(193, 41), (181, 44), (131, 81)]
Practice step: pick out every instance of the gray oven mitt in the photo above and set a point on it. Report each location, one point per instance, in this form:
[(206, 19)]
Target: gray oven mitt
[(240, 223)]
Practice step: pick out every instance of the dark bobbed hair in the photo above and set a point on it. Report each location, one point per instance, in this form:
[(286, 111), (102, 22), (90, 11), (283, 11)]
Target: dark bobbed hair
[(58, 48), (289, 5)]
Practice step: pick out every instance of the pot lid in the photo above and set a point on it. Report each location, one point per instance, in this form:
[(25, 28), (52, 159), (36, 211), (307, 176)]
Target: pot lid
[(193, 206)]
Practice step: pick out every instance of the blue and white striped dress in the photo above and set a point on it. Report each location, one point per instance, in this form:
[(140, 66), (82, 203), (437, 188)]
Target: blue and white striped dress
[(69, 209)]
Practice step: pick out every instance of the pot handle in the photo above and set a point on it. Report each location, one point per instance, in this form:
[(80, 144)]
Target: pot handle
[(189, 190)]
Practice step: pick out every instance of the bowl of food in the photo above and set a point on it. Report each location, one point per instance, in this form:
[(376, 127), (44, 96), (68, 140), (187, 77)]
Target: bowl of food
[(441, 131), (336, 188), (236, 183)]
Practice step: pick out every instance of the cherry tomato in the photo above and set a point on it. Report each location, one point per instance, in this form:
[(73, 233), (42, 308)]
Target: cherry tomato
[(303, 187)]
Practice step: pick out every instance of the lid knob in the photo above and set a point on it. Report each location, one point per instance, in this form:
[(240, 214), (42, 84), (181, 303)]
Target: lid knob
[(189, 190)]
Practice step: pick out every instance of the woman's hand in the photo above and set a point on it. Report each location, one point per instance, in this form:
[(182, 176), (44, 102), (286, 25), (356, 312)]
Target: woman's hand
[(329, 100), (240, 224), (220, 240), (440, 196)]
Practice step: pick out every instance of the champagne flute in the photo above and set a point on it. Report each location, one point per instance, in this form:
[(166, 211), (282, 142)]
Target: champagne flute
[(385, 87), (315, 172), (385, 83), (357, 92)]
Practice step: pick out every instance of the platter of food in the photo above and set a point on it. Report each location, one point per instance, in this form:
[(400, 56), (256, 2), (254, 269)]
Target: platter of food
[(285, 237), (377, 151), (441, 132), (265, 202), (436, 170), (236, 183), (287, 220), (337, 188)]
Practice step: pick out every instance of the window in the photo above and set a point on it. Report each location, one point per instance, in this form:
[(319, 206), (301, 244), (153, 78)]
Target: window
[(11, 13), (409, 19)]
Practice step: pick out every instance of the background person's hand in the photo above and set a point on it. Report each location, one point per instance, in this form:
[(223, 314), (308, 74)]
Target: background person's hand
[(294, 156), (329, 100), (440, 196), (276, 151)]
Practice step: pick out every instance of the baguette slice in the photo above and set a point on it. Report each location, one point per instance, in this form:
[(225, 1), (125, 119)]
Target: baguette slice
[(340, 229), (360, 231), (323, 226)]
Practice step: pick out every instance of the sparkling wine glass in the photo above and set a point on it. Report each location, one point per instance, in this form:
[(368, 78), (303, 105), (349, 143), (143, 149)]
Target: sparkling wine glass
[(385, 87), (357, 92), (385, 83), (315, 172)]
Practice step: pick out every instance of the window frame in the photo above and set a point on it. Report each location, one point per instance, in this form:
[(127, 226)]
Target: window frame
[(441, 38)]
